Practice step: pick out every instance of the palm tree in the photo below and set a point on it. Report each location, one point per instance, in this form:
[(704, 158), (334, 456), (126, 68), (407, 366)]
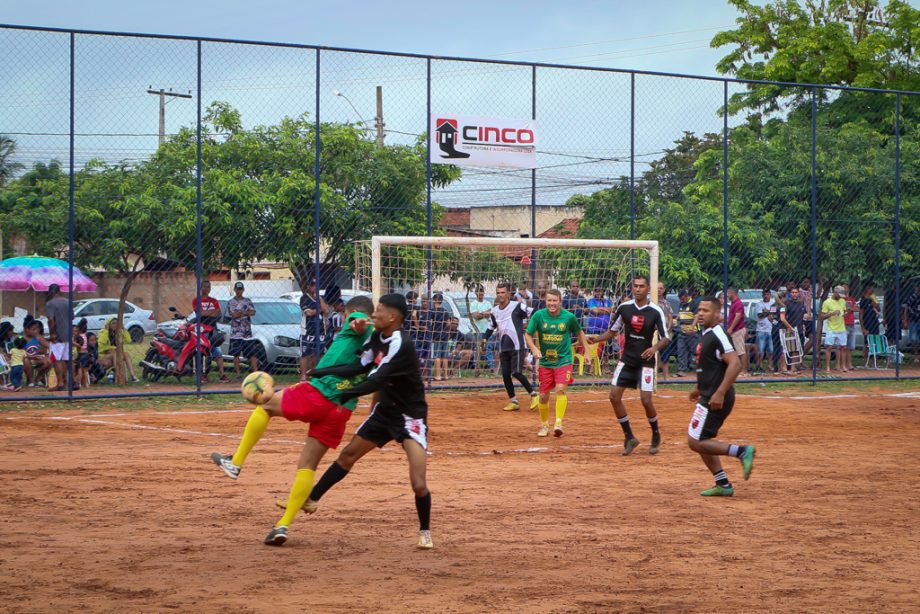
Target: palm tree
[(7, 166)]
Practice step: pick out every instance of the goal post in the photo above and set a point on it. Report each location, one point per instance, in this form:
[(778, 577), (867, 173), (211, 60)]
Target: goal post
[(513, 249), (452, 273)]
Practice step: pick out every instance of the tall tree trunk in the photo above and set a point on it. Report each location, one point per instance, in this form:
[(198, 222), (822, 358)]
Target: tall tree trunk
[(120, 375)]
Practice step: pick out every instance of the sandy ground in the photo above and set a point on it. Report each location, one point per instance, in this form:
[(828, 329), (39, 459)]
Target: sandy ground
[(123, 511)]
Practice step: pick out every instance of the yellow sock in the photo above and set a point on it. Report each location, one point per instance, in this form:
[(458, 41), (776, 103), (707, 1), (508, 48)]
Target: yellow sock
[(544, 412), (562, 402), (255, 428), (300, 490)]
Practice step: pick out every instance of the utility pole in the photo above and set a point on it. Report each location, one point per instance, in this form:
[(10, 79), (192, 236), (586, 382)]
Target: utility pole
[(163, 94), (378, 121)]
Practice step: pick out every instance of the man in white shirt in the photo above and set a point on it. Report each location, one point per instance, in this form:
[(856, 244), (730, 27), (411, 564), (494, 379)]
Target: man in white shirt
[(481, 314)]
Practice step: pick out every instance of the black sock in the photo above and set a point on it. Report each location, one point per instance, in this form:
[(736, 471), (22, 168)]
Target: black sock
[(722, 479), (333, 476), (653, 422), (423, 507), (624, 424), (736, 451)]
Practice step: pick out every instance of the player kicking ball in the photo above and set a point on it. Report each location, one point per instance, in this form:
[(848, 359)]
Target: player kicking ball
[(553, 328), (640, 320), (399, 411), (718, 367), (314, 402)]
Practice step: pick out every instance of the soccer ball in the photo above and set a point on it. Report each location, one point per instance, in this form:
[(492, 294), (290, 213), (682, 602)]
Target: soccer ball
[(258, 387)]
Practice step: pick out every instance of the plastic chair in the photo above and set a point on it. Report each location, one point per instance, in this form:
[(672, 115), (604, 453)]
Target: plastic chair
[(595, 364)]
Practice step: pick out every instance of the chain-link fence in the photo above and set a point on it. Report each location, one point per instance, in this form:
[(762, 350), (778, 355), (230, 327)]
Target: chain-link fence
[(214, 194)]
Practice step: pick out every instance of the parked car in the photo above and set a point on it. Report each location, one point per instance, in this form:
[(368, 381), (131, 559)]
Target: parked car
[(276, 326), (138, 322)]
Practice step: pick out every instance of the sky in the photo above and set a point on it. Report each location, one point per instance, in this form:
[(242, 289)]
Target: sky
[(665, 35), (584, 117)]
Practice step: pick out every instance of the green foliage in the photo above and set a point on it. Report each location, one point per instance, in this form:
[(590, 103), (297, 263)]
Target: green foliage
[(835, 42)]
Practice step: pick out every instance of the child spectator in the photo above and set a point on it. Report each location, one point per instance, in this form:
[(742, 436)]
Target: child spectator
[(95, 370), (82, 362), (37, 361), (17, 364)]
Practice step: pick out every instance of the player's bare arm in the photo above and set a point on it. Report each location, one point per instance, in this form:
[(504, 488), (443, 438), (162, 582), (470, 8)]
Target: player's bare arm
[(583, 340)]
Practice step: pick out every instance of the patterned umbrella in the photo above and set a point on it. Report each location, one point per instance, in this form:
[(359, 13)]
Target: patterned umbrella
[(37, 273)]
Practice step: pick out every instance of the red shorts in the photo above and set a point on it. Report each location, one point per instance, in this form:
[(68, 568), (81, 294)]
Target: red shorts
[(327, 420), (550, 377)]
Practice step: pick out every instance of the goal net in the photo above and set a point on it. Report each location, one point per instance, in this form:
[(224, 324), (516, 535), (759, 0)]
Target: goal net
[(460, 274)]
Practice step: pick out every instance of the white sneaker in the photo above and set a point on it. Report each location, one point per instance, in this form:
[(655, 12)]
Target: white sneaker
[(226, 463), (557, 431), (544, 431), (424, 540)]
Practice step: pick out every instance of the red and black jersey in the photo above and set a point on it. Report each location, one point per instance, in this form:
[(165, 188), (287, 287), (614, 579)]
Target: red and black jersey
[(639, 325)]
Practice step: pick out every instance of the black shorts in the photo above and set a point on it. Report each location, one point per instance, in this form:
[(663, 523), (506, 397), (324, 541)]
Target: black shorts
[(308, 344), (642, 378), (515, 360), (247, 348), (706, 422), (384, 426)]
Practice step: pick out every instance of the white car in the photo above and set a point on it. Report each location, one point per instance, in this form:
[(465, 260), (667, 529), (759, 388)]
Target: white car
[(138, 322)]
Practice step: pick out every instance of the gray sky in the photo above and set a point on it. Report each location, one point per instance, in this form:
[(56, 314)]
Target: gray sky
[(583, 116)]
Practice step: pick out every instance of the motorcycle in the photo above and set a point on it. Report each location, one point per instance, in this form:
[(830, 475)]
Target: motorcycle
[(175, 354)]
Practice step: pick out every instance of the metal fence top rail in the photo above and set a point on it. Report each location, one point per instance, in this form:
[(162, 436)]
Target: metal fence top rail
[(652, 73)]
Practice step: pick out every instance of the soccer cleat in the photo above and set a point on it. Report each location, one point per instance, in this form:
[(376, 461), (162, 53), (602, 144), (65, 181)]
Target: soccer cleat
[(631, 444), (226, 463), (544, 431), (656, 443), (276, 537), (718, 491), (512, 405), (308, 506), (534, 401), (557, 430), (747, 461), (424, 540)]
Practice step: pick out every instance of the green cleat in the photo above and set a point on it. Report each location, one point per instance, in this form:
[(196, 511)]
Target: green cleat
[(718, 491), (747, 461)]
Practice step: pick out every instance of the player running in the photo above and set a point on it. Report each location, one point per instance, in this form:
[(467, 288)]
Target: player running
[(508, 321), (553, 327), (399, 409), (717, 368), (313, 402), (640, 320)]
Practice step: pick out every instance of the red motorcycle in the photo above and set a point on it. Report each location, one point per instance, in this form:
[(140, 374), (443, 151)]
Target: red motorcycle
[(175, 354)]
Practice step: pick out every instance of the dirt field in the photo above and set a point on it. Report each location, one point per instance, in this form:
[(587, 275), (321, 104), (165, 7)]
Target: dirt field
[(112, 510)]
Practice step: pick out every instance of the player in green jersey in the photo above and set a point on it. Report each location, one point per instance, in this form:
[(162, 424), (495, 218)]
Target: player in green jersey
[(310, 402), (549, 336)]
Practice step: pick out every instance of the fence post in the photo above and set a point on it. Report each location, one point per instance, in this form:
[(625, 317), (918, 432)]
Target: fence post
[(814, 234), (533, 183), (428, 187), (632, 170), (199, 359), (897, 235), (725, 199), (317, 337), (70, 221)]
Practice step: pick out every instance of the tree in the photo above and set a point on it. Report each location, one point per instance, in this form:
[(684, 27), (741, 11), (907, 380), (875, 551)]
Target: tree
[(8, 168), (836, 42)]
